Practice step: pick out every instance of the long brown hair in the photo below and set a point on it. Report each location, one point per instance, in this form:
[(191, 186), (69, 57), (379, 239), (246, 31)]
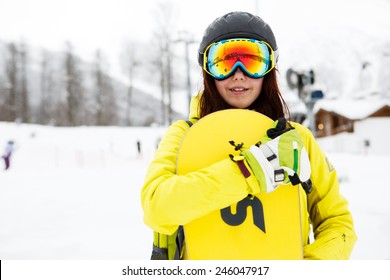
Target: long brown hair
[(270, 101)]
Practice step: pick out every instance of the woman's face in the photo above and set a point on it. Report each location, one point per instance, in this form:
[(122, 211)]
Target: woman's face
[(239, 91)]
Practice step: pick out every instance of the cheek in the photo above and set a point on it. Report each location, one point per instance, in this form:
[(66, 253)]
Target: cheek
[(220, 85), (259, 84), (258, 87)]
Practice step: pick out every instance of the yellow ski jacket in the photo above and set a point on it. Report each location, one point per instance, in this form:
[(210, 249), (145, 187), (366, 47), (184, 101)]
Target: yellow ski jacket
[(169, 200)]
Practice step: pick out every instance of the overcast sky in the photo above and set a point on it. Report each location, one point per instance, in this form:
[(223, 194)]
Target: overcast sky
[(106, 24), (92, 24)]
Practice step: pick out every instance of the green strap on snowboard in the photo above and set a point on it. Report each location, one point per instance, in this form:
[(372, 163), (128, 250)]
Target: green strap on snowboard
[(168, 247)]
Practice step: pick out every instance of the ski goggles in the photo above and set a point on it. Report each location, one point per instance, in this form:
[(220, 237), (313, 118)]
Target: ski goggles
[(255, 58)]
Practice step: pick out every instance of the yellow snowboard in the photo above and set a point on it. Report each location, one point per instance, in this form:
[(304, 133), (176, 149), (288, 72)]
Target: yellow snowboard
[(267, 226)]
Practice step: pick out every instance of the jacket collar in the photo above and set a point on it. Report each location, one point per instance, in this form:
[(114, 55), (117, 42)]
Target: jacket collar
[(194, 107)]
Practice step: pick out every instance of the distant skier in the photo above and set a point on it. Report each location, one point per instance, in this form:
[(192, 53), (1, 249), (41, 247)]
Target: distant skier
[(139, 147), (9, 148), (366, 146)]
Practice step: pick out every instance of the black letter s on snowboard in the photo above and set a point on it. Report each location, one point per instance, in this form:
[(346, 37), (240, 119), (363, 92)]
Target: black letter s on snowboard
[(240, 216)]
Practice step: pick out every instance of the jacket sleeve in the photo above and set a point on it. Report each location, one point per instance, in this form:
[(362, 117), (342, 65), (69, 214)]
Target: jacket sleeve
[(328, 210), (169, 200)]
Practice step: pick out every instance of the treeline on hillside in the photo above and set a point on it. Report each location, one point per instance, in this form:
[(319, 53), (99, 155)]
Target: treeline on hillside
[(59, 88)]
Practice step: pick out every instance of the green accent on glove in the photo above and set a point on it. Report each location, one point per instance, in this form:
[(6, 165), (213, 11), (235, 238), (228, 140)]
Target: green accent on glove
[(287, 146), (256, 170)]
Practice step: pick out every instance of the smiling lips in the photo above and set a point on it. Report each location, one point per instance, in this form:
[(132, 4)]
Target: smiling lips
[(238, 90)]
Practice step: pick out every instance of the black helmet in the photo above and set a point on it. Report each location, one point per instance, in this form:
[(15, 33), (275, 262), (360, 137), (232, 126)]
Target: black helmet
[(237, 25)]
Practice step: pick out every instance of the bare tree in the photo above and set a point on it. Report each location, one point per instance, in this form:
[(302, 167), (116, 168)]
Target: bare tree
[(74, 88), (23, 93), (47, 93), (10, 108), (16, 103), (105, 99), (163, 35), (3, 93), (129, 64), (160, 62)]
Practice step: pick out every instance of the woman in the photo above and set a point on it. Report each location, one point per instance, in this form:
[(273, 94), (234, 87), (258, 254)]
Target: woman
[(239, 79)]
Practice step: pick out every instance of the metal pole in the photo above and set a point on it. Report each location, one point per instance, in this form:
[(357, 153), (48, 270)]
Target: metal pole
[(257, 7), (185, 38), (311, 116), (187, 43)]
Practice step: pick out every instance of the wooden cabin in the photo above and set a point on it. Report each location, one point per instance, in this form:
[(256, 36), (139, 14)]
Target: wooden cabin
[(336, 116)]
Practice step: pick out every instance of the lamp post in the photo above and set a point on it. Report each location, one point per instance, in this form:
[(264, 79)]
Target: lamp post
[(257, 7), (184, 37)]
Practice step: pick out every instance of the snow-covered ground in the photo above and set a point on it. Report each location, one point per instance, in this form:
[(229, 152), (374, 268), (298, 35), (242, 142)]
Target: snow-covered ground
[(73, 193)]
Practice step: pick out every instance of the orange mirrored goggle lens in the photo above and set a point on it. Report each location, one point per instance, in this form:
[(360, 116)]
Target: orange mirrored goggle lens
[(255, 58)]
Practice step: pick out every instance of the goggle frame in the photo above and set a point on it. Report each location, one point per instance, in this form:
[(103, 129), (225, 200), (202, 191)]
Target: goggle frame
[(239, 63)]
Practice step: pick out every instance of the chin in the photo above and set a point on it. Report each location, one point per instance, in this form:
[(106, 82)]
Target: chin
[(240, 106)]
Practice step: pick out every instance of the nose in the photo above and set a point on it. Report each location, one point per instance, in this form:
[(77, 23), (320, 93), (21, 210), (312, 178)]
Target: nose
[(238, 74)]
